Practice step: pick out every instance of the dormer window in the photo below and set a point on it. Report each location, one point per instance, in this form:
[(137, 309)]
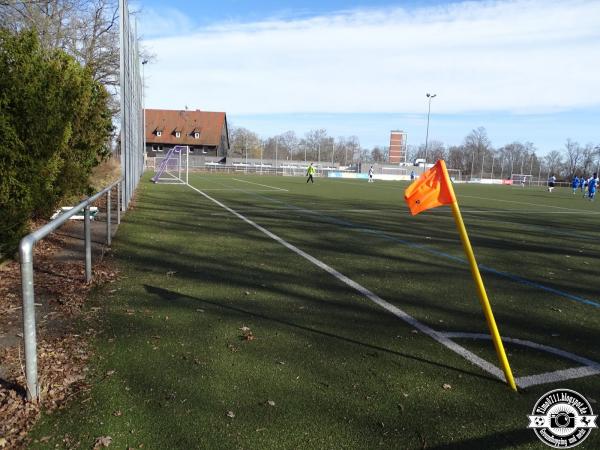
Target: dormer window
[(178, 134), (158, 133), (196, 135)]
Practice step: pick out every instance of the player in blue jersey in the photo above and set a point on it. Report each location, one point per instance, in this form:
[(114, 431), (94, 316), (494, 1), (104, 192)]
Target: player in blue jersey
[(592, 184), (575, 184)]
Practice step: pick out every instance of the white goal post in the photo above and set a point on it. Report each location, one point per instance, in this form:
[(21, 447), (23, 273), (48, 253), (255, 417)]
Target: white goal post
[(173, 168), (520, 179)]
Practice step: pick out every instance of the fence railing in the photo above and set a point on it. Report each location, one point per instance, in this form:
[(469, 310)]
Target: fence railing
[(26, 257)]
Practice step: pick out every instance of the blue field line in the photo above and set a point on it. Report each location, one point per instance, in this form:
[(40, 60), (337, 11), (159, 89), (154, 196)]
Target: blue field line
[(382, 234)]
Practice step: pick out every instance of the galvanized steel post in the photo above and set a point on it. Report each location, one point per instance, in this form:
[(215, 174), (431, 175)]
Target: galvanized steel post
[(29, 337), (88, 244), (119, 203), (108, 236)]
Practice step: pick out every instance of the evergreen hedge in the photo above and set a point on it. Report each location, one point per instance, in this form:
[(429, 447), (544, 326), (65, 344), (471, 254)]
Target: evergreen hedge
[(55, 127)]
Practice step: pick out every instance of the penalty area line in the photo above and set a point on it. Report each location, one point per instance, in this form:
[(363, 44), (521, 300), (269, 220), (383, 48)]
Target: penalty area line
[(258, 184), (439, 337)]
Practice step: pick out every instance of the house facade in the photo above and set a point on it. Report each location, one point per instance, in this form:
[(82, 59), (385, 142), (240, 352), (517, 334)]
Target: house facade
[(205, 132)]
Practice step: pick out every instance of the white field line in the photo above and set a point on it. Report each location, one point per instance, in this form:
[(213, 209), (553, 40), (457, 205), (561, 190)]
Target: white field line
[(581, 211), (529, 212), (258, 184), (559, 375), (591, 367), (239, 190), (474, 359)]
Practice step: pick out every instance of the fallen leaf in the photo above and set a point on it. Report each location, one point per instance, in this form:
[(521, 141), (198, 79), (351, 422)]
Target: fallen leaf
[(270, 402), (230, 414), (446, 386), (103, 441)]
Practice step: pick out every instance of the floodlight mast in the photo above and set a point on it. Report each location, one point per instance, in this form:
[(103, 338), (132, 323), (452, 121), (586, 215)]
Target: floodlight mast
[(430, 97)]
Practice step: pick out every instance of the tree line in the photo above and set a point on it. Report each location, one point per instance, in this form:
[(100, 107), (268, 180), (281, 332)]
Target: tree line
[(475, 157), (55, 117)]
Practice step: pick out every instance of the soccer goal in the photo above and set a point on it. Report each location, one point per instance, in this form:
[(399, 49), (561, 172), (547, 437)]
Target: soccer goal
[(519, 179), (291, 170), (173, 168)]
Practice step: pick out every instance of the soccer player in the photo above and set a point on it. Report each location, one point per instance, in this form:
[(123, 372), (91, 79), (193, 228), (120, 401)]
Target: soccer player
[(592, 184), (583, 183), (371, 174), (412, 175), (575, 184), (309, 173), (551, 182)]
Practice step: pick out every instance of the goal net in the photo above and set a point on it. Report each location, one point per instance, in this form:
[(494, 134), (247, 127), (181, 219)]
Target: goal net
[(292, 170), (519, 179), (173, 168)]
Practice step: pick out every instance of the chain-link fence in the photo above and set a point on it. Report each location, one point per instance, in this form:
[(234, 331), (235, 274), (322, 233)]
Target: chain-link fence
[(132, 120)]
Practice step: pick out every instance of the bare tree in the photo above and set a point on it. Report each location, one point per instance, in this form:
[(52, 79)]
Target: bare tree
[(376, 155), (287, 145), (477, 144), (574, 154), (243, 143), (86, 29), (553, 162), (588, 158)]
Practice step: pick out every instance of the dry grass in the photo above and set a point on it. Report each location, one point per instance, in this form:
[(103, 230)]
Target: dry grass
[(106, 173)]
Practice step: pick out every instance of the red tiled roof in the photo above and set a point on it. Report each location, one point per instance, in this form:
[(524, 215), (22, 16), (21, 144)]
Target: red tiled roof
[(209, 124)]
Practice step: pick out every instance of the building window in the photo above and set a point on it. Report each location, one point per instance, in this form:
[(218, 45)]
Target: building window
[(159, 133), (177, 134), (196, 135)]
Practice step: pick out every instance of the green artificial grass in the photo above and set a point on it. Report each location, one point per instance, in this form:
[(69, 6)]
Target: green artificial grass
[(217, 336)]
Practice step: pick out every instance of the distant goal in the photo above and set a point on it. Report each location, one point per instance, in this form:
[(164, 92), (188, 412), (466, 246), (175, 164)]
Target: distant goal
[(173, 168), (519, 179)]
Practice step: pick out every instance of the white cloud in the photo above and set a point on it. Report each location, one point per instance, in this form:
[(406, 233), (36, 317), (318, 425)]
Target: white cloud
[(519, 56)]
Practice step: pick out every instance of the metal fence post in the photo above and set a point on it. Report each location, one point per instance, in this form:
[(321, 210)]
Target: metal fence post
[(29, 337), (88, 244), (108, 236), (119, 203)]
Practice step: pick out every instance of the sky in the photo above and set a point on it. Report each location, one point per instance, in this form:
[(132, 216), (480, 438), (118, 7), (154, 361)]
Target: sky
[(526, 70)]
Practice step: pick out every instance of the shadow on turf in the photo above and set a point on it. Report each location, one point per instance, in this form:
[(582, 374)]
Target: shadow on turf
[(170, 296), (512, 438)]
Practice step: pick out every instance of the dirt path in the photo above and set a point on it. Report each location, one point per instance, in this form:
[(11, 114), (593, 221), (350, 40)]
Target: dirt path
[(60, 292)]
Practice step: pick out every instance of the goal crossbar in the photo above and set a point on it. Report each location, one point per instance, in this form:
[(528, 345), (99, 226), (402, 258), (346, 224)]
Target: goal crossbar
[(174, 167)]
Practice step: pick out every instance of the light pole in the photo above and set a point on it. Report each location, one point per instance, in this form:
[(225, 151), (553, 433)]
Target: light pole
[(319, 151), (332, 150), (144, 62), (276, 143), (429, 96), (482, 161)]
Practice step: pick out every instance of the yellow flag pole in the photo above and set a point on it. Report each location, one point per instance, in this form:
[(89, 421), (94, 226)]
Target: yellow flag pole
[(483, 298)]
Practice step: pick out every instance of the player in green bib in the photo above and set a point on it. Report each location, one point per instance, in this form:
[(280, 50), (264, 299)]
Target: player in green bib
[(309, 173)]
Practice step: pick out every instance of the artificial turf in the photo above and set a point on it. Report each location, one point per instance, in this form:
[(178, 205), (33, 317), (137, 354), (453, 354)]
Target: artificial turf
[(217, 336)]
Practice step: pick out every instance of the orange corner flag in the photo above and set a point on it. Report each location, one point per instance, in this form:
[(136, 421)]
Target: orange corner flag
[(431, 190)]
